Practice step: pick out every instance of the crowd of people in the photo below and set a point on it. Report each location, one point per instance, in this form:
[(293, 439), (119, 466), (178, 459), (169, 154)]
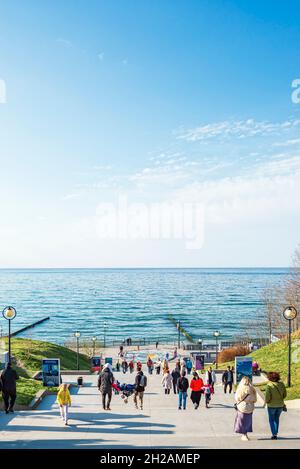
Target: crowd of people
[(177, 381)]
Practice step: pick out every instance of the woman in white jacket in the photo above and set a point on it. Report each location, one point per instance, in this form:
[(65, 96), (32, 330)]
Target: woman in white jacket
[(245, 398), (167, 381)]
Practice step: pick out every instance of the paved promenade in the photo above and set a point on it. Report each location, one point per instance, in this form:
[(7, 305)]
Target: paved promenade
[(160, 424)]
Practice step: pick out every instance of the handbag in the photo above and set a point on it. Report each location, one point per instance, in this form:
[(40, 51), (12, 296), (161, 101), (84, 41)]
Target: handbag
[(238, 403)]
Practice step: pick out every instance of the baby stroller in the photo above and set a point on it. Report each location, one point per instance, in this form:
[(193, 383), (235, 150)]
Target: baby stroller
[(126, 390)]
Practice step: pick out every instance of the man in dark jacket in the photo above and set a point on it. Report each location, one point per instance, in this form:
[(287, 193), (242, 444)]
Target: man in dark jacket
[(227, 379), (182, 386), (140, 385), (9, 387), (175, 376), (105, 381)]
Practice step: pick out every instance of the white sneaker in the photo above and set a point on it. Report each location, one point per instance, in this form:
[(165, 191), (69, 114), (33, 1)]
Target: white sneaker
[(245, 438)]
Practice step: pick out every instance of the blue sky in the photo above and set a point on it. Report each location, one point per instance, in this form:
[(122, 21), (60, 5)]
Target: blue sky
[(159, 101)]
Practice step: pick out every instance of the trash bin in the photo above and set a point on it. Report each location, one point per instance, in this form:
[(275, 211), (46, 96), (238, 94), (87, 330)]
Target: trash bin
[(80, 380)]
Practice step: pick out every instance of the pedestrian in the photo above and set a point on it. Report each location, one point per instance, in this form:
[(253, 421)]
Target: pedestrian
[(64, 401), (8, 380), (175, 353), (210, 377), (118, 365), (165, 366), (139, 366), (189, 366), (175, 375), (167, 382), (245, 398), (275, 393), (156, 345), (105, 381), (150, 365), (255, 368), (131, 366), (121, 351), (227, 380), (140, 385), (208, 391), (124, 366), (182, 386), (196, 386), (158, 366)]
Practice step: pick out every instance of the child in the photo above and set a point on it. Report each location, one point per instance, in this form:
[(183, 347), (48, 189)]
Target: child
[(207, 390), (64, 401), (126, 389)]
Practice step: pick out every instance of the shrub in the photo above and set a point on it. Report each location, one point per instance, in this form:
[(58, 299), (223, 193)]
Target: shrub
[(229, 354)]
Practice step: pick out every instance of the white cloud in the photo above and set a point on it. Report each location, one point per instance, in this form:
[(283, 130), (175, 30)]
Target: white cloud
[(237, 129), (64, 42), (287, 143)]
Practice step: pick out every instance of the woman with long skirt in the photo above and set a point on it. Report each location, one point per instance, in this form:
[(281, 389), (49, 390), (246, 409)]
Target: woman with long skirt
[(245, 398)]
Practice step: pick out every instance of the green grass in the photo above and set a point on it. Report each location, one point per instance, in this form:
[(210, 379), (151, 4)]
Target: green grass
[(27, 359), (29, 354), (274, 358)]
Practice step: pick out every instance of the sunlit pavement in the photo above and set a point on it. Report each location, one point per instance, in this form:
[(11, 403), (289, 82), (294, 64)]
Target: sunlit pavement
[(159, 424)]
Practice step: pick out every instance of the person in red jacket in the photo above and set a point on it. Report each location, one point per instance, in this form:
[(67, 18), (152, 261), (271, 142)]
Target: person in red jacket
[(196, 385)]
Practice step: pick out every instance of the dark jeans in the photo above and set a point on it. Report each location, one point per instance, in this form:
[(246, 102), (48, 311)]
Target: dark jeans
[(182, 396), (274, 416), (226, 385), (167, 391), (175, 387), (104, 403), (9, 399)]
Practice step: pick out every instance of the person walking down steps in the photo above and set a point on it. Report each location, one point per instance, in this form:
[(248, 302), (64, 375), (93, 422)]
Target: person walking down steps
[(105, 382), (227, 380), (167, 382), (196, 386), (140, 385), (8, 387), (64, 401), (245, 398), (182, 386)]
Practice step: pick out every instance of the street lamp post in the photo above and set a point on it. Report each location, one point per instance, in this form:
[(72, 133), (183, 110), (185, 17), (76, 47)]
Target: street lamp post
[(77, 334), (289, 313), (217, 335), (94, 345), (179, 333), (9, 313)]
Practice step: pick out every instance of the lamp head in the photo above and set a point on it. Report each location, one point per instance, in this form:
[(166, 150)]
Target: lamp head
[(77, 334), (9, 313), (290, 313), (217, 333)]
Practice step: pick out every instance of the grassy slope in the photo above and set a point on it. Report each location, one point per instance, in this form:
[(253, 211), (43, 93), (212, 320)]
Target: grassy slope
[(28, 355), (274, 358)]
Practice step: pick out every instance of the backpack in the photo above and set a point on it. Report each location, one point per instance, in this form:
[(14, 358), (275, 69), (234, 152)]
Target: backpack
[(143, 381)]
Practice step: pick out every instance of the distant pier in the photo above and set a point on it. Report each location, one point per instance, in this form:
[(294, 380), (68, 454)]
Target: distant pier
[(30, 326)]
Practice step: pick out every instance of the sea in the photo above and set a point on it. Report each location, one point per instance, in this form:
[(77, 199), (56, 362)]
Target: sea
[(136, 303)]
